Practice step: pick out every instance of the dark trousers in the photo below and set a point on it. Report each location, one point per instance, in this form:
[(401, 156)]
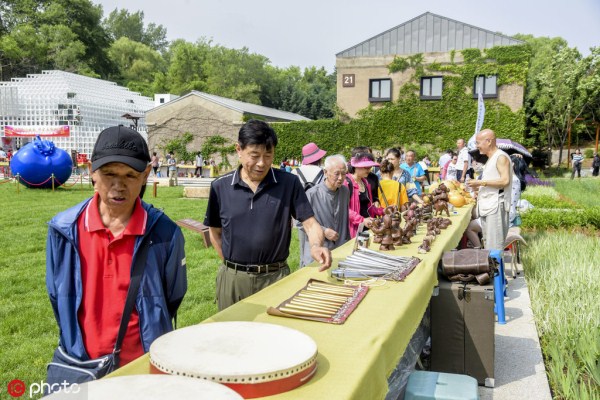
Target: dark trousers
[(595, 171), (576, 168)]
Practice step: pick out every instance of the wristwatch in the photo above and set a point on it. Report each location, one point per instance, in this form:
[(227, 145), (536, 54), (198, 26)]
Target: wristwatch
[(483, 183)]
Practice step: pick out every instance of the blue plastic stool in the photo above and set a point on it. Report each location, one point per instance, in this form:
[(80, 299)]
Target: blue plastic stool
[(426, 385), (499, 286)]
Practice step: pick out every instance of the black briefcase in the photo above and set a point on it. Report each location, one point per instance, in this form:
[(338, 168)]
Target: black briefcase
[(462, 330)]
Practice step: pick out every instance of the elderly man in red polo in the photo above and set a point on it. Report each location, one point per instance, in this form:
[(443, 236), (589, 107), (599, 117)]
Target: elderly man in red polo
[(104, 247)]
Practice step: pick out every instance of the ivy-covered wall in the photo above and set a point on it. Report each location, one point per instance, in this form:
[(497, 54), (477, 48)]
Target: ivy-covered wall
[(411, 120)]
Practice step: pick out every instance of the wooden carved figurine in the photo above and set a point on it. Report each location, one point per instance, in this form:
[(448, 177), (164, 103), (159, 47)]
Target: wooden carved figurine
[(376, 227), (386, 231), (440, 206), (396, 230)]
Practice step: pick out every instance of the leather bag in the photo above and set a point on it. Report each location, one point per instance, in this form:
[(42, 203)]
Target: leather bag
[(469, 265)]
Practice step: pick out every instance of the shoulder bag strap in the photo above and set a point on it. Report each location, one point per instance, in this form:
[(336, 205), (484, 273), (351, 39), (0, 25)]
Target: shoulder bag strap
[(318, 177), (383, 194), (350, 186), (301, 176), (134, 285), (399, 194)]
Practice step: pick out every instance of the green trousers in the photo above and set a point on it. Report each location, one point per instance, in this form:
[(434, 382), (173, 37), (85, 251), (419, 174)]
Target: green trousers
[(233, 286)]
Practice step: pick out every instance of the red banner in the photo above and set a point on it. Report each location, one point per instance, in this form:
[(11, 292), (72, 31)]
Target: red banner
[(32, 131)]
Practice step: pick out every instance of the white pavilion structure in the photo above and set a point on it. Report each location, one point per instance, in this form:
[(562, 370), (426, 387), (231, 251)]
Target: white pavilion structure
[(69, 109)]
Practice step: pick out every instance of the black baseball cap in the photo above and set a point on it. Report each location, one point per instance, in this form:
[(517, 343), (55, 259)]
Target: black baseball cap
[(122, 145)]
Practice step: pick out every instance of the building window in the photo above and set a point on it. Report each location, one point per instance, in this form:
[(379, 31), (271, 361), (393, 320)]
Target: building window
[(431, 87), (487, 85), (380, 90), (162, 100)]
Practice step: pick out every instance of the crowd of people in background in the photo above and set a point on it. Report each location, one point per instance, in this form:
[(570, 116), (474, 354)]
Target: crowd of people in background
[(395, 177), (172, 165)]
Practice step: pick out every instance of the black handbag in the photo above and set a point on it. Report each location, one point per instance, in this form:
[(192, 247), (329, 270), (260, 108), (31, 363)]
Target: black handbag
[(65, 370)]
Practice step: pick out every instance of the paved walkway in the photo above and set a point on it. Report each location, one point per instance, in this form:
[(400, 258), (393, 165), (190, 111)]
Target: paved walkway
[(519, 367)]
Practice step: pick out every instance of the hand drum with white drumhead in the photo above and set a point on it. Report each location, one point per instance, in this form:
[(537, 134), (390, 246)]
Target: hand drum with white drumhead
[(254, 359)]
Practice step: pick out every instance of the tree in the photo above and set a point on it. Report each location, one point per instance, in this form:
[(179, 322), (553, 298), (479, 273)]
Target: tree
[(122, 23), (280, 84), (27, 49), (543, 50), (186, 67), (21, 52), (83, 18), (155, 36), (17, 12), (311, 94), (233, 73), (63, 50), (321, 93), (63, 34), (569, 88), (136, 63)]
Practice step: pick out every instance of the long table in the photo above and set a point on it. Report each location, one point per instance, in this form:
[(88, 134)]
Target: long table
[(356, 358)]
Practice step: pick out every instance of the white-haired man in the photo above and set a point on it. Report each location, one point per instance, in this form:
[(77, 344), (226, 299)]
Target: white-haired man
[(329, 200)]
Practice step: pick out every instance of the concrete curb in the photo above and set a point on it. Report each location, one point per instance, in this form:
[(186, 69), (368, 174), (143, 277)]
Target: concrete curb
[(519, 366)]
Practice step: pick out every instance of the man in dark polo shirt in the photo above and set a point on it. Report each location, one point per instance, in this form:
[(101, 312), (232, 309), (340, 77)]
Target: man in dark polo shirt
[(249, 215)]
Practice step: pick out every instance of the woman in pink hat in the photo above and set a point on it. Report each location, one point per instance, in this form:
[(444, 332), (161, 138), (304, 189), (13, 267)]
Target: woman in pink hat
[(361, 208), (310, 172)]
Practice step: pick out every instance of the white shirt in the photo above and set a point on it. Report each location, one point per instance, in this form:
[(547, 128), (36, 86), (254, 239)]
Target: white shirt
[(489, 198), (463, 155), (451, 172), (444, 159), (309, 171)]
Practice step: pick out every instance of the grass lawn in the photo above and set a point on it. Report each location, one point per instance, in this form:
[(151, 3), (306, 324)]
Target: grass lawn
[(563, 276), (562, 267), (28, 332)]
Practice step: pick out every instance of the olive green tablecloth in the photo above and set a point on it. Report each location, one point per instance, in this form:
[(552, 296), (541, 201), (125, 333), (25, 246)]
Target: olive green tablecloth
[(356, 358)]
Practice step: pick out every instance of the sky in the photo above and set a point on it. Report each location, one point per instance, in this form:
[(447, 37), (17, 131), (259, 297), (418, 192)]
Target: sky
[(310, 32)]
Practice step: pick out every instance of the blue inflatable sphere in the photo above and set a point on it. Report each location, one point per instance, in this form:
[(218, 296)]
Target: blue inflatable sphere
[(37, 161)]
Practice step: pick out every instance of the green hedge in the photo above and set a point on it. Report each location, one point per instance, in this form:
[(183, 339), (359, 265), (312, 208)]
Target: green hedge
[(411, 120), (549, 202), (555, 219)]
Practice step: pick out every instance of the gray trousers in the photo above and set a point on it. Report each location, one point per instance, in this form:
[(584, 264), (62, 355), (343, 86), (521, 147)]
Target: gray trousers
[(494, 228), (233, 286)]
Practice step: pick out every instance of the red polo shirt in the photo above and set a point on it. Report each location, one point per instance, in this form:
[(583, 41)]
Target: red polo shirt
[(105, 275)]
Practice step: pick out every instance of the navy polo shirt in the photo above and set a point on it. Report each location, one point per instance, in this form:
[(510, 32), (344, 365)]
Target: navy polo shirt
[(256, 227)]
